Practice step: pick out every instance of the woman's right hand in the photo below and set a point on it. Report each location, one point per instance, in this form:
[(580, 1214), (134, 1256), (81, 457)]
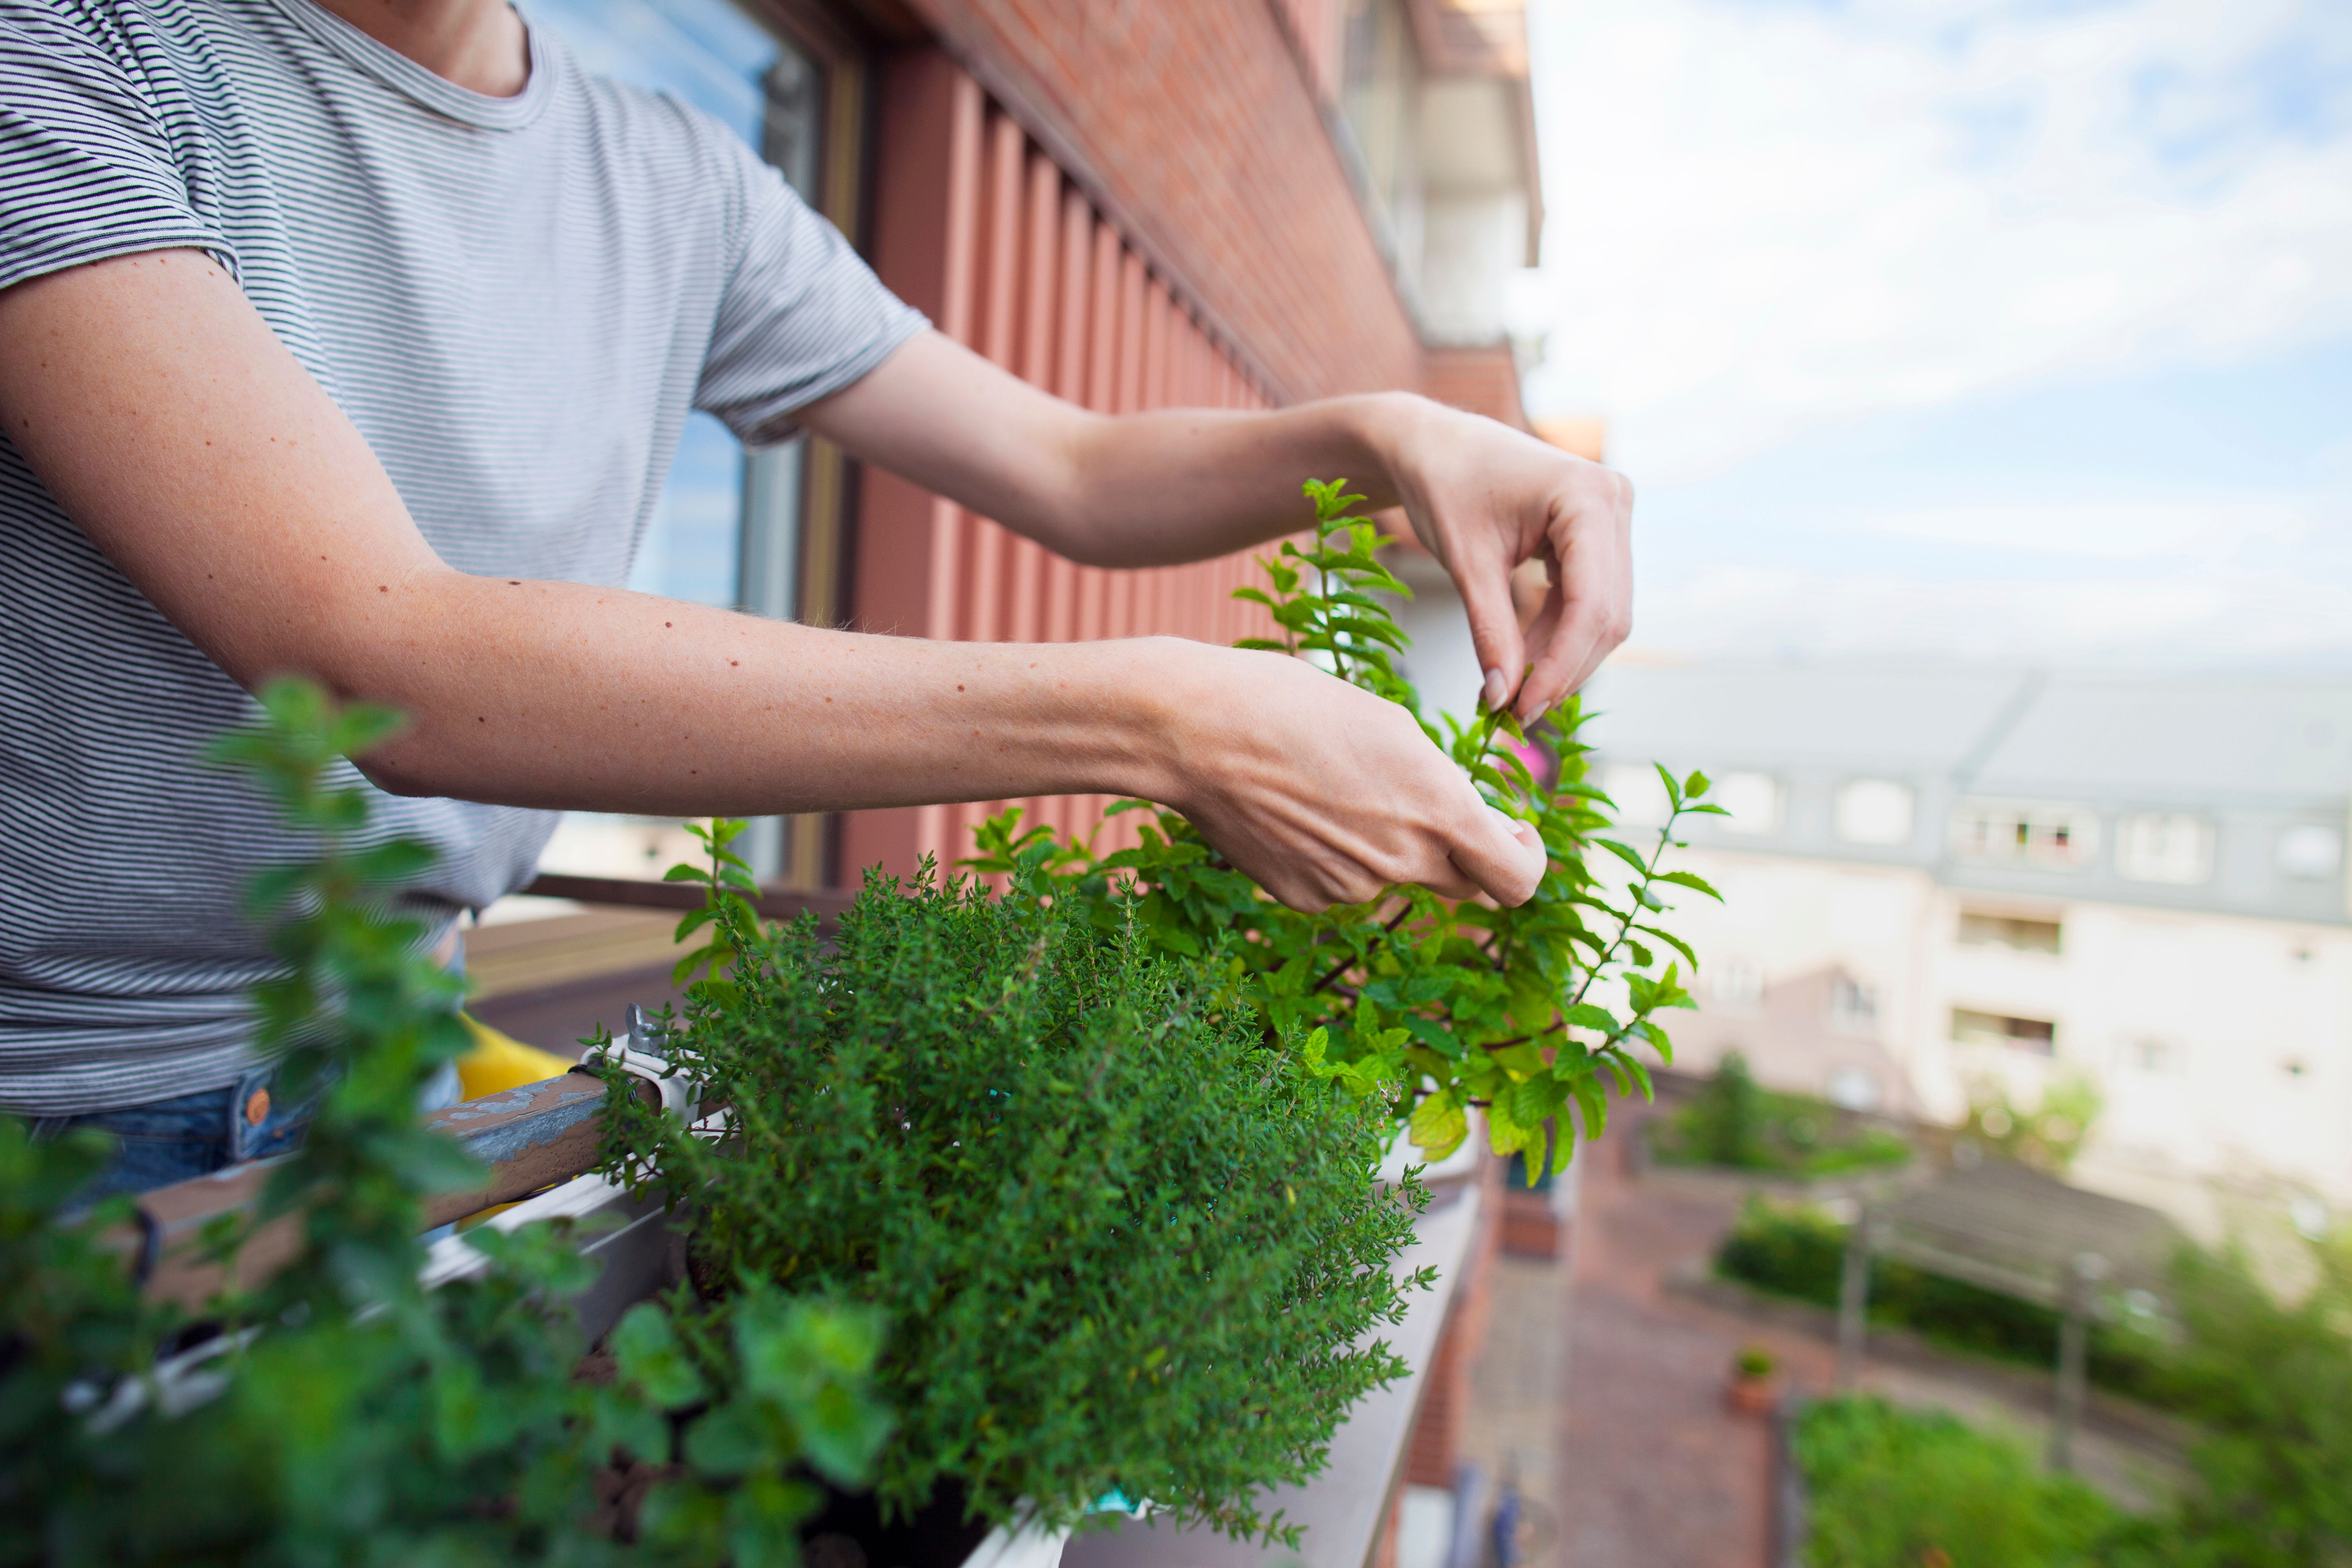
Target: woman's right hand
[(1322, 792)]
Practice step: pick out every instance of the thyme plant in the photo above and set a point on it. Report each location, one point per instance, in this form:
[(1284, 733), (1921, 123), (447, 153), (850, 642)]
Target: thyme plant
[(1430, 1006), (1122, 1248), (338, 1412)]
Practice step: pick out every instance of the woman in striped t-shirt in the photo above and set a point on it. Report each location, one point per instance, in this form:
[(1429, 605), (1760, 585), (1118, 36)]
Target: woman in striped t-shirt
[(354, 339)]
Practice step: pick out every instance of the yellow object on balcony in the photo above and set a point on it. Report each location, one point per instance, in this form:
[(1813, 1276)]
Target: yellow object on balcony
[(501, 1062)]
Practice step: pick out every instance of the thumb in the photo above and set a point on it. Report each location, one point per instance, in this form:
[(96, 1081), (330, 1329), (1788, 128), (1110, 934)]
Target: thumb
[(1501, 854), (1485, 589)]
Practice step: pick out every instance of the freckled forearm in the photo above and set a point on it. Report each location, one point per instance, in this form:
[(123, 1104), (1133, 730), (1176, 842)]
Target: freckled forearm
[(1139, 490), (186, 443), (552, 694), (1184, 484)]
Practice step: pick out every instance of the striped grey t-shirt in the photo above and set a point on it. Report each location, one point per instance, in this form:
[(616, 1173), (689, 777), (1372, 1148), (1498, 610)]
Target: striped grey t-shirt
[(517, 300)]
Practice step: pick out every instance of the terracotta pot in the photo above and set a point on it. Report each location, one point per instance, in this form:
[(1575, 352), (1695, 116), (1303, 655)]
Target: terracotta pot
[(1751, 1395)]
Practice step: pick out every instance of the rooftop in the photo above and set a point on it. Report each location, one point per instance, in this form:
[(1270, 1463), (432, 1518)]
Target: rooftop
[(2224, 792)]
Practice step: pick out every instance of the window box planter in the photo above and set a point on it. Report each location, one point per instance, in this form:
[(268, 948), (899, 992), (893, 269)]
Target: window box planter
[(640, 1250)]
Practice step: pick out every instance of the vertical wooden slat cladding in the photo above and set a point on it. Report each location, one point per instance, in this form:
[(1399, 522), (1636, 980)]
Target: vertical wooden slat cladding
[(1194, 127), (977, 226), (1314, 26)]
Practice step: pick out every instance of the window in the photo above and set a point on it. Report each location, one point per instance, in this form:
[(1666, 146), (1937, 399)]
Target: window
[(2165, 846), (1854, 1006), (2018, 934), (2024, 832), (2309, 851), (1753, 801), (2037, 1036), (1735, 984), (726, 531), (1873, 811), (1379, 100)]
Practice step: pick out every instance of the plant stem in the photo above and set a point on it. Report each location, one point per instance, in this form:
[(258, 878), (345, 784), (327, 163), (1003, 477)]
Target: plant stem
[(1345, 965), (1632, 906)]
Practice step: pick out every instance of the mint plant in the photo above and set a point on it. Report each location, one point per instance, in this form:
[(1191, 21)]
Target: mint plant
[(1427, 1005), (337, 1412)]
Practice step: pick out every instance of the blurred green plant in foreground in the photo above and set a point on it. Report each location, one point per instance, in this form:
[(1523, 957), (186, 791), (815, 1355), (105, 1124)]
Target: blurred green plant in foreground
[(338, 1412)]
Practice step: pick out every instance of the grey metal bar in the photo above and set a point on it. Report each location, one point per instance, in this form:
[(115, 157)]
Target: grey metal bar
[(1853, 1302), (2074, 1355), (828, 904), (531, 1138)]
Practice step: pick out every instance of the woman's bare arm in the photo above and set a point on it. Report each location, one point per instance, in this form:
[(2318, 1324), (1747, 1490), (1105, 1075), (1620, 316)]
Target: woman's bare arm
[(1146, 490), (195, 452)]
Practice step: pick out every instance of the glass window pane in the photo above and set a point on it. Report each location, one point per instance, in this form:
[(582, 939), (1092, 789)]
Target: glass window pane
[(692, 545), (704, 51)]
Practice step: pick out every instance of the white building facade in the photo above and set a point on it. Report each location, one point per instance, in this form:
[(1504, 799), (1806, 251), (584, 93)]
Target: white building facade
[(1945, 886)]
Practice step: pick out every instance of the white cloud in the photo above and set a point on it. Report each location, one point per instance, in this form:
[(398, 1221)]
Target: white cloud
[(2213, 529), (2225, 617), (1769, 217)]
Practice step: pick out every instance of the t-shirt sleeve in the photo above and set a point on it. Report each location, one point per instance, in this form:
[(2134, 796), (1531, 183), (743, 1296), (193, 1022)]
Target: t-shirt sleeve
[(86, 163), (803, 316)]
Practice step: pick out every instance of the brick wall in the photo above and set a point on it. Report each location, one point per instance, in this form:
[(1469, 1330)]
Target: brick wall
[(1314, 27), (975, 225), (1135, 206), (1196, 126), (1484, 381)]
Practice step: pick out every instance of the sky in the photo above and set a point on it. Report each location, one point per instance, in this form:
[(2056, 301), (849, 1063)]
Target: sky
[(2016, 330)]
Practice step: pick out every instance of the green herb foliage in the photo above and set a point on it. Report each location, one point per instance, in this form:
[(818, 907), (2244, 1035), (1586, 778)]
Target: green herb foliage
[(344, 1414), (2269, 1384), (1894, 1489), (2049, 1135), (1122, 1245), (1426, 1005), (1737, 1122)]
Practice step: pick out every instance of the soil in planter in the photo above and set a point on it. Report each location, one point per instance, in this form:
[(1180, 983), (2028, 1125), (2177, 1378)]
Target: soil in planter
[(850, 1533)]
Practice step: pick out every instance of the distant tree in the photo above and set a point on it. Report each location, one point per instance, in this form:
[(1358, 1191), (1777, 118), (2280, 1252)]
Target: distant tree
[(2047, 1135), (2271, 1384), (1727, 1122)]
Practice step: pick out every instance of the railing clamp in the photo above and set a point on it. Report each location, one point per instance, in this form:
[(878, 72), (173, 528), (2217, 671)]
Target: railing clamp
[(680, 1094)]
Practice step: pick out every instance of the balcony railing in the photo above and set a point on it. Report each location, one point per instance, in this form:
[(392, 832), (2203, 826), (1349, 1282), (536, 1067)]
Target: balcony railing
[(538, 1143)]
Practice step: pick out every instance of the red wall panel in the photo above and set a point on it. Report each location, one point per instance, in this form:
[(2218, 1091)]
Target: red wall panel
[(976, 225)]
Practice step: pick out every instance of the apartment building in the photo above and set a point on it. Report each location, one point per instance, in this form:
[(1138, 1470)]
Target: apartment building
[(1941, 885)]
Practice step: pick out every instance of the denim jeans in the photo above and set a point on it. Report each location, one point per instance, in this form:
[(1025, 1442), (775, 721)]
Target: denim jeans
[(168, 1140)]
